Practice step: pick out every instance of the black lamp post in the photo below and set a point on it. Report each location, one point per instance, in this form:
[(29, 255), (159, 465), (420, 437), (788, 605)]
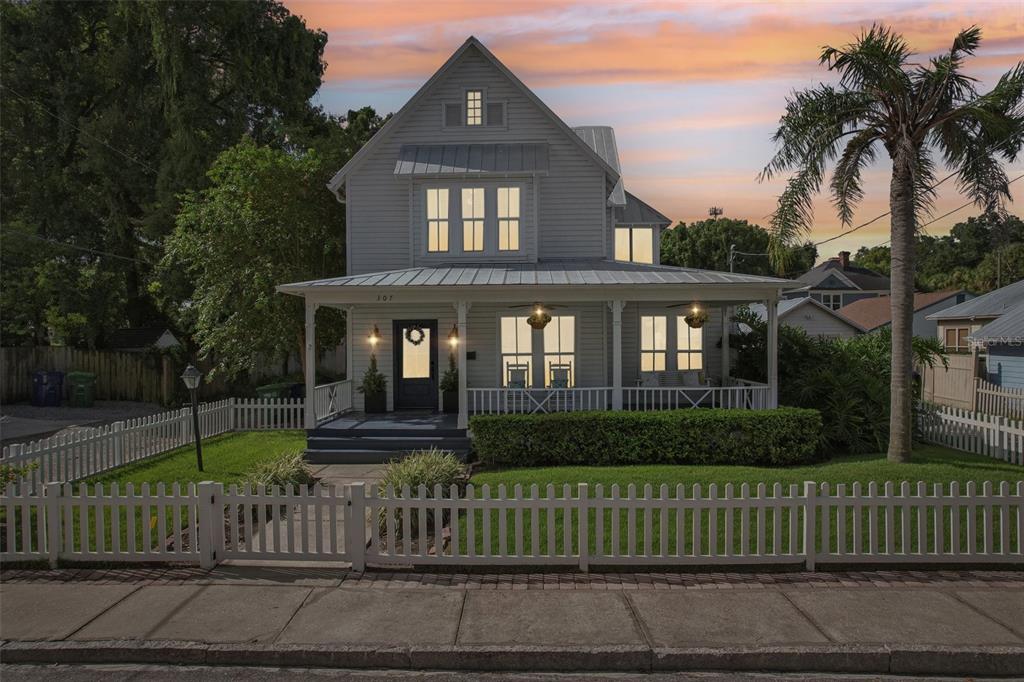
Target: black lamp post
[(191, 376)]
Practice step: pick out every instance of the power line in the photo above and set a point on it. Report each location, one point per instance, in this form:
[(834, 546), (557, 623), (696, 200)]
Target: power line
[(74, 246), (60, 118)]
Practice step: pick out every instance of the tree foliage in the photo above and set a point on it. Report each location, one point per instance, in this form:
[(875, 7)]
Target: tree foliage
[(111, 110), (705, 244), (916, 111)]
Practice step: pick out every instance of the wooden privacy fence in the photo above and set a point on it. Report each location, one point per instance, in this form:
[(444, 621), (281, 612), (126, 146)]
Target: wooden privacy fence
[(992, 399), (85, 453), (811, 525), (982, 434)]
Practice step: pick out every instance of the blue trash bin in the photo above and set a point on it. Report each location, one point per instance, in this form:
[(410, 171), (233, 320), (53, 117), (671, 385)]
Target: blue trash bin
[(47, 388)]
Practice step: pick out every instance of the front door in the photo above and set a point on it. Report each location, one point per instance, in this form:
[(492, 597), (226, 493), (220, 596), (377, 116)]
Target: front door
[(415, 364)]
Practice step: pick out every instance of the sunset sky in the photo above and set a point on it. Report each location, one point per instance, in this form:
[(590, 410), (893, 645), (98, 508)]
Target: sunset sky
[(693, 90)]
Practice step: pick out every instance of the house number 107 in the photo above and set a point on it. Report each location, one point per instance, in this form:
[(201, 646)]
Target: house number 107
[(384, 298)]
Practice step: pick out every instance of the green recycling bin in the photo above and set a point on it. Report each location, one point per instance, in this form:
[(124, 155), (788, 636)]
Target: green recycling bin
[(270, 391), (81, 389)]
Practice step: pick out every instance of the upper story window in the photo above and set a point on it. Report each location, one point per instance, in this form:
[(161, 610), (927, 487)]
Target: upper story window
[(956, 339), (508, 218), (832, 301), (437, 220), (474, 107), (635, 244), (473, 219)]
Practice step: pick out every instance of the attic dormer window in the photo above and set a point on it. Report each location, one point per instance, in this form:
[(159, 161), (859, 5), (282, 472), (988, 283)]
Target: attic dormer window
[(474, 107)]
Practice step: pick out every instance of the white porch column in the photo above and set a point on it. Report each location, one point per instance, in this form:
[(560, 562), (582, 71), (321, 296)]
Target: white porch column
[(462, 308), (616, 307), (726, 370), (349, 312), (310, 369), (772, 306)]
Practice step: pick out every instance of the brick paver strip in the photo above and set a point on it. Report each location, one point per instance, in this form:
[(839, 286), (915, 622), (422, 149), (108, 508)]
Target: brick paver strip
[(146, 575)]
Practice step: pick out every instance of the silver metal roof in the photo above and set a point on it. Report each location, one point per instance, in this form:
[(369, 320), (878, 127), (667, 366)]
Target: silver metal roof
[(430, 159), (602, 140), (786, 305), (992, 304), (637, 212), (551, 273), (1008, 328)]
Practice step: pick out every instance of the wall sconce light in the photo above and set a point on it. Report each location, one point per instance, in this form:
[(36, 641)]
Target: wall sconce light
[(374, 337), (453, 337)]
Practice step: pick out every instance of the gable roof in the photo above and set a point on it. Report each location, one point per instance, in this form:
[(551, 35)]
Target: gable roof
[(992, 304), (137, 337), (872, 313), (789, 305), (395, 121), (637, 212), (602, 140), (1008, 328), (856, 276)]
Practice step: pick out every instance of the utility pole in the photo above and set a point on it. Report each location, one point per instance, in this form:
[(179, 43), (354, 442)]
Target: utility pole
[(732, 256), (715, 211)]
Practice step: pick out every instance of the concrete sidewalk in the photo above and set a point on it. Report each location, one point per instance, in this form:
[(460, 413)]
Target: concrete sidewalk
[(961, 624)]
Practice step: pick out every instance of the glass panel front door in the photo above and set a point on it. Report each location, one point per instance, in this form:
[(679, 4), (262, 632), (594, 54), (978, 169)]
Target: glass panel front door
[(415, 364)]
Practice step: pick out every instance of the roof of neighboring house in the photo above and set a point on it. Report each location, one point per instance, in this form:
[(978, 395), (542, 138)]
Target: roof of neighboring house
[(1008, 328), (395, 121), (637, 212), (431, 159), (872, 313), (602, 140), (788, 305), (850, 277), (571, 272), (137, 337), (992, 304)]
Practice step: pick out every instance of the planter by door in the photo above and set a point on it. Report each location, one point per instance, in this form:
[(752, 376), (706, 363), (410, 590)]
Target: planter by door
[(375, 403), (415, 364)]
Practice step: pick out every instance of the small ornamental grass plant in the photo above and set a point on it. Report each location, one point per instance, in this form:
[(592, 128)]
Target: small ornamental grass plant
[(287, 469), (428, 468)]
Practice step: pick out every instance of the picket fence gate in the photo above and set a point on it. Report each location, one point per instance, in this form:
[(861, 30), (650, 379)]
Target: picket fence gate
[(805, 525), (983, 434), (81, 454)]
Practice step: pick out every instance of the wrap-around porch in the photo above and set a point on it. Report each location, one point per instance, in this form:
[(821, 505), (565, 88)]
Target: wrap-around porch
[(535, 348)]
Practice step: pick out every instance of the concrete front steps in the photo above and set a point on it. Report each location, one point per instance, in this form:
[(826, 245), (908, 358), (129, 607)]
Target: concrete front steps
[(373, 439)]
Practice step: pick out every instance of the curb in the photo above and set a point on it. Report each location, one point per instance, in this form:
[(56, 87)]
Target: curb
[(993, 661)]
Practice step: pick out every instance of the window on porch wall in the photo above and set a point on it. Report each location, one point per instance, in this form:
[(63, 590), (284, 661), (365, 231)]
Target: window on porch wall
[(560, 346), (653, 336), (516, 347), (689, 346)]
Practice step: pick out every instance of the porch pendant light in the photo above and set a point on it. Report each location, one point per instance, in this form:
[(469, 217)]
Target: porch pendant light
[(696, 318), (539, 318)]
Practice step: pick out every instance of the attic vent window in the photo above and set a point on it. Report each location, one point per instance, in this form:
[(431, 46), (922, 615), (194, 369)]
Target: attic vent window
[(474, 108)]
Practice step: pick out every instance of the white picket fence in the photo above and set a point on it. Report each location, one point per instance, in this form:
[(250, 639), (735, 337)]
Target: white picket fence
[(982, 434), (810, 525), (72, 457), (992, 399)]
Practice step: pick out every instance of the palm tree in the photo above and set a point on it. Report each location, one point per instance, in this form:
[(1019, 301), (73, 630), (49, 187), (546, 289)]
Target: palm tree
[(915, 111)]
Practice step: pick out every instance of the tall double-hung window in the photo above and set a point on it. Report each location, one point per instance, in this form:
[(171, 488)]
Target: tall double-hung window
[(516, 352), (473, 219), (689, 346), (508, 218), (653, 342), (553, 349), (437, 220)]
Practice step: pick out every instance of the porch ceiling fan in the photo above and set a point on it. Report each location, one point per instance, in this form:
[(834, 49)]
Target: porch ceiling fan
[(697, 315)]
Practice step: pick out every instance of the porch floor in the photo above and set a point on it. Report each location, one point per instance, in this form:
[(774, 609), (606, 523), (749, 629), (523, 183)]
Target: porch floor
[(393, 421)]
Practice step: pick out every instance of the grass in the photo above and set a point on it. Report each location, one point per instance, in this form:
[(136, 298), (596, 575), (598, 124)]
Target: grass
[(931, 464)]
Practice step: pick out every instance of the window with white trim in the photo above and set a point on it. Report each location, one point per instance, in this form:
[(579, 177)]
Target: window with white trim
[(832, 301), (634, 244), (474, 107), (689, 346), (508, 218), (516, 348), (653, 342), (472, 219), (560, 347), (437, 219)]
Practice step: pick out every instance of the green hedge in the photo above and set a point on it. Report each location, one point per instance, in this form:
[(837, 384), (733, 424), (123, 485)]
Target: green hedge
[(782, 436)]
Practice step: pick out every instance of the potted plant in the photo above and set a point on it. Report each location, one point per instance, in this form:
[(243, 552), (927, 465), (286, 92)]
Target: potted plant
[(374, 388), (450, 387)]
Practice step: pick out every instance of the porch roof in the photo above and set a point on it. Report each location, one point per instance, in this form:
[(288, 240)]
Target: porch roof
[(559, 273)]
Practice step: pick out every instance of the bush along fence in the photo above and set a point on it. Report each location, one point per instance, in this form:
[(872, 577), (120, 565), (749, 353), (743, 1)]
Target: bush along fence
[(68, 458), (982, 434), (814, 525)]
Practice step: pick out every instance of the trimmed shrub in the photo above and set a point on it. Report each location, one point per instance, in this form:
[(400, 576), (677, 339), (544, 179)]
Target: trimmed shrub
[(777, 437)]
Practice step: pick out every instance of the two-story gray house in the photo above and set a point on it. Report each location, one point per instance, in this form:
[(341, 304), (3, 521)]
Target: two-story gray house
[(481, 225)]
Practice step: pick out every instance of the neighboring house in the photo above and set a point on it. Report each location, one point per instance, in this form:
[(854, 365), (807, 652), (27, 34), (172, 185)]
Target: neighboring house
[(811, 316), (138, 339), (875, 313), (1003, 343), (836, 283), (957, 323), (476, 211)]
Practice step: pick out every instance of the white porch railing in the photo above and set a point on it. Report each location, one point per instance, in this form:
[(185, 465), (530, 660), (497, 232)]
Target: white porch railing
[(753, 397), (332, 399), (538, 400)]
